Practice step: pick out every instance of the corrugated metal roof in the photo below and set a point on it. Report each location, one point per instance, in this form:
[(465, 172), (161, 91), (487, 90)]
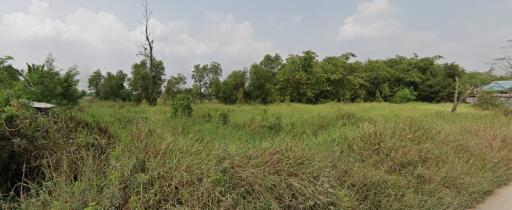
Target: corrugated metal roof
[(498, 86)]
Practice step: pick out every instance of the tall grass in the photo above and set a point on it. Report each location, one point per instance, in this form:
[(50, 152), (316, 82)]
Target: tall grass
[(287, 156)]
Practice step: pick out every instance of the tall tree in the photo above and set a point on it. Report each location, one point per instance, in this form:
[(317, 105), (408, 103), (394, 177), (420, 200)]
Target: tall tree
[(199, 76), (154, 75), (233, 88), (140, 84), (297, 79), (262, 85), (207, 80), (94, 82), (343, 79), (113, 87)]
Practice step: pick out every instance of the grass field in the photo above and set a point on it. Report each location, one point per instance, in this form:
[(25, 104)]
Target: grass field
[(286, 156)]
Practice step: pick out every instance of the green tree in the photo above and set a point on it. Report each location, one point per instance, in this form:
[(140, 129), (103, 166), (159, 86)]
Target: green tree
[(95, 81), (207, 80), (233, 88), (113, 87), (142, 87), (297, 79), (273, 63), (45, 83), (344, 80), (262, 85), (139, 83), (438, 84), (262, 79)]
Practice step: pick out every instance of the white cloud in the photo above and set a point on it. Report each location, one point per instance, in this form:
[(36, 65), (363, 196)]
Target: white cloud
[(94, 39), (376, 20)]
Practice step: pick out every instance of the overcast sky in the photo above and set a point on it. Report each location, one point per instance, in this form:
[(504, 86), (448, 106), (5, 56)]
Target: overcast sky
[(106, 34)]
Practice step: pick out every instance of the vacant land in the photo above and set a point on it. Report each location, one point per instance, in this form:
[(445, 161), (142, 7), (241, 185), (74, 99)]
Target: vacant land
[(286, 156)]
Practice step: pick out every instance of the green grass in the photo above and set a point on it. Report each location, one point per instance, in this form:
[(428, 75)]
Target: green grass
[(288, 156)]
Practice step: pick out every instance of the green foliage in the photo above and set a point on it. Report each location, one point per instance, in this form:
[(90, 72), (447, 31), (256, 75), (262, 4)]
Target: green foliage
[(175, 85), (343, 80), (233, 88), (487, 101), (44, 83), (4, 99), (95, 81), (297, 80), (182, 106), (140, 84), (404, 95), (262, 82), (35, 148), (305, 79), (208, 117), (9, 75), (113, 87), (207, 80)]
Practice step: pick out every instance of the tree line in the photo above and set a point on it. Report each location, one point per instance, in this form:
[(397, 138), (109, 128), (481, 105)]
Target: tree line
[(300, 78)]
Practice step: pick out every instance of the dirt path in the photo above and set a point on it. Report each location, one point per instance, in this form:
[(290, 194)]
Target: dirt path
[(499, 200)]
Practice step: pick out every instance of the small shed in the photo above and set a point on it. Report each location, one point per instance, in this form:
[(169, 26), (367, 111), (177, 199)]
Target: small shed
[(41, 106)]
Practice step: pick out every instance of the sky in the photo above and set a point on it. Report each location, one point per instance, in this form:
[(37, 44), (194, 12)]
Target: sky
[(107, 34)]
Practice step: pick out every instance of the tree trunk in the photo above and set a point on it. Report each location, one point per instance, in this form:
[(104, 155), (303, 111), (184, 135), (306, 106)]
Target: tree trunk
[(149, 54), (456, 95)]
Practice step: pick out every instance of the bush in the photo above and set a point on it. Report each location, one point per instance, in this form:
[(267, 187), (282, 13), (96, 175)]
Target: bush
[(403, 96), (35, 147), (182, 106), (487, 101)]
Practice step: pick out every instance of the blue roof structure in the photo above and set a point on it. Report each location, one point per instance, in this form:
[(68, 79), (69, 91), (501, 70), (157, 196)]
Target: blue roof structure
[(498, 86)]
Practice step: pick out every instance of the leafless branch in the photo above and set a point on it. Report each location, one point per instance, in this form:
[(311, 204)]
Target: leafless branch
[(148, 48)]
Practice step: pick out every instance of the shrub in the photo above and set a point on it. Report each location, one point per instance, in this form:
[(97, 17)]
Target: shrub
[(403, 96), (487, 101), (182, 106), (34, 147)]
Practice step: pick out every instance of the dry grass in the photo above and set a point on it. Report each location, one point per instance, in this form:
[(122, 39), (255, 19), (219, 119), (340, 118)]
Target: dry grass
[(289, 156)]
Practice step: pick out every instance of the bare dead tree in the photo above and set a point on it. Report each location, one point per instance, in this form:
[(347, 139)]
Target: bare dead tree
[(504, 63), (456, 99), (148, 51)]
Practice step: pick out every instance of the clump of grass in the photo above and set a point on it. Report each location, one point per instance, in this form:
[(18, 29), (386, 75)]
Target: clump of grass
[(224, 118)]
